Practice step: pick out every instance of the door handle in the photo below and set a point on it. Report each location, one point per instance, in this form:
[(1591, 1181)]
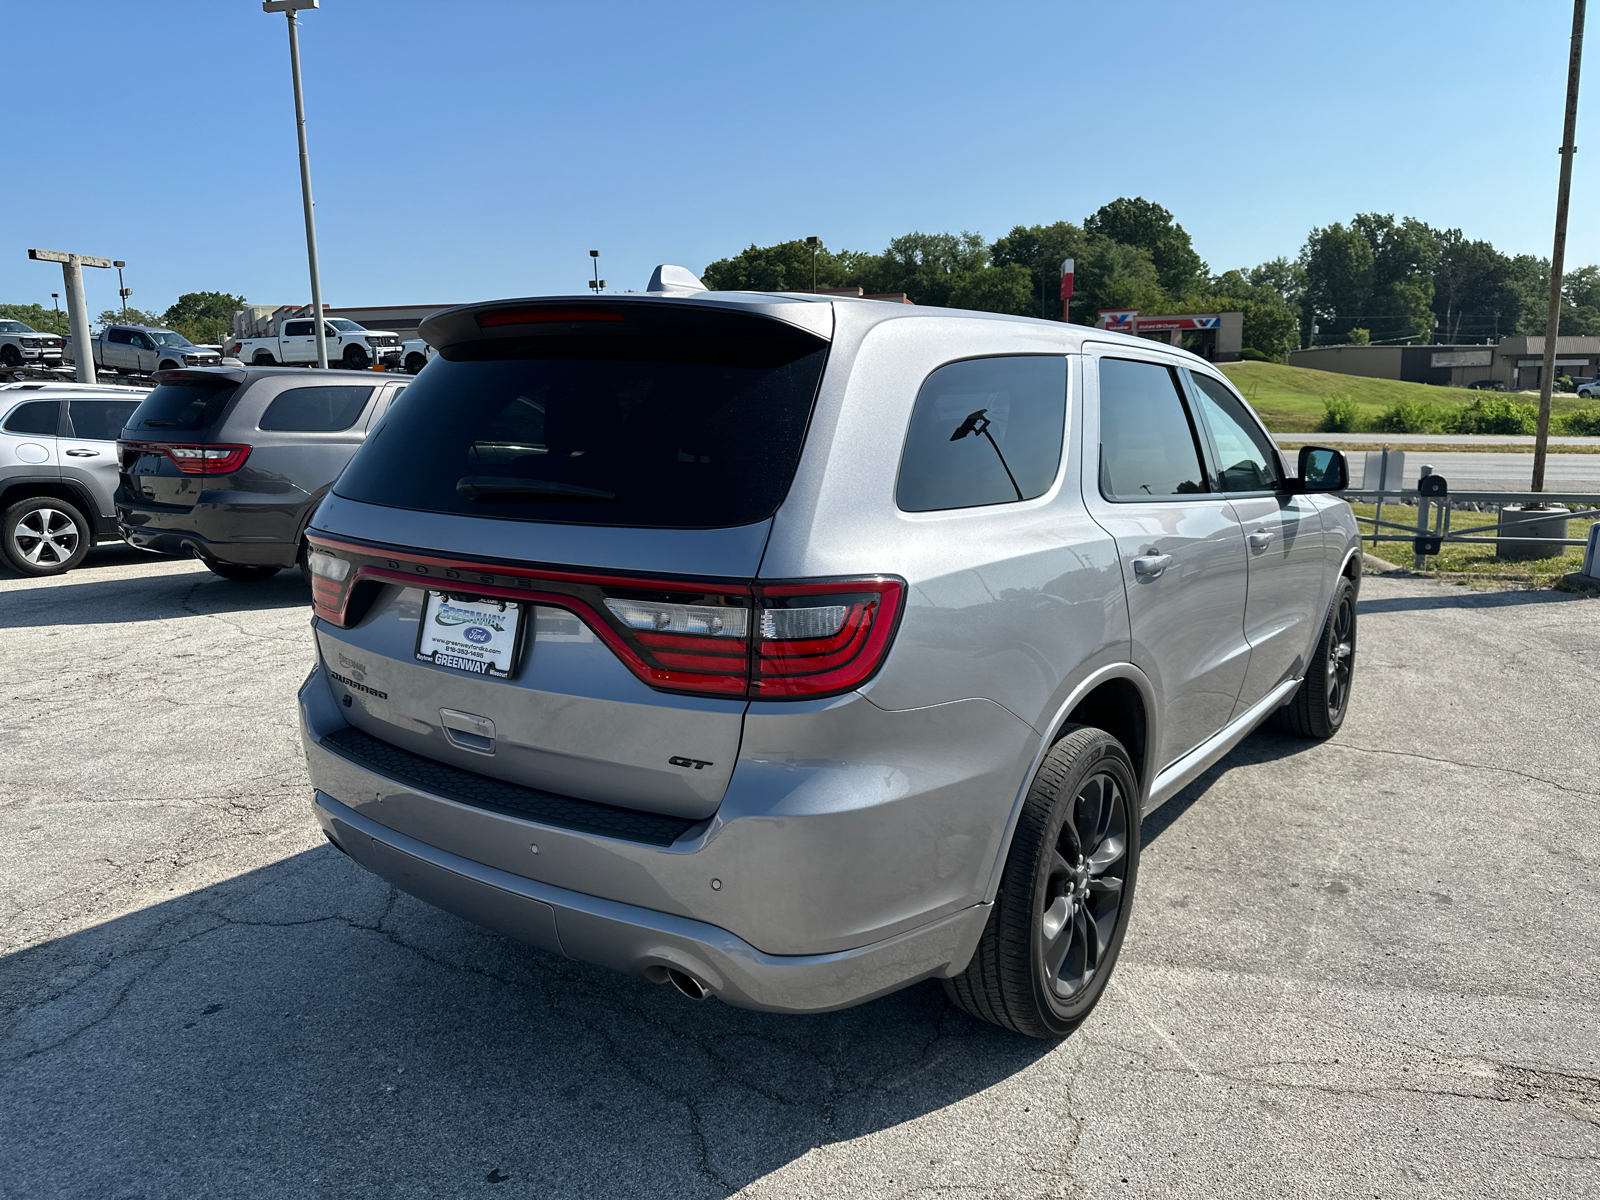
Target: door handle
[(1149, 566), (83, 453), (1260, 539)]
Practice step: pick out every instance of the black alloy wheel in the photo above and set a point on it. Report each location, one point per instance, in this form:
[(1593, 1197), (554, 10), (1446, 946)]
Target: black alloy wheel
[(355, 358), (10, 356), (1055, 931), (263, 359), (1319, 705), (415, 363)]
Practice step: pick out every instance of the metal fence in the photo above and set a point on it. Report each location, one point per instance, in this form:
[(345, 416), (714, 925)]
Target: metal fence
[(1435, 502)]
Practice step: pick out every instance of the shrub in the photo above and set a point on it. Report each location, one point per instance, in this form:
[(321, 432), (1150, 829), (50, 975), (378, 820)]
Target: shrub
[(1501, 414), (1584, 423), (1339, 415), (1251, 354), (1411, 416), (1359, 337)]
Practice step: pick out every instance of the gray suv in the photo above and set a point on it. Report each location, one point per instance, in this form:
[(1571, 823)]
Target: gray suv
[(228, 464), (795, 649)]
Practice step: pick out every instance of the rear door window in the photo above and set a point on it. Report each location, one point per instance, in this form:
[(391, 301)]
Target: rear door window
[(100, 420), (297, 329), (689, 431), (181, 408), (316, 409), (119, 337), (984, 431), (1149, 447)]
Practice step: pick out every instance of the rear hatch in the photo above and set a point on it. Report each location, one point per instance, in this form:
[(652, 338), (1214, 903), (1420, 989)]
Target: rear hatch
[(170, 453), (538, 567)]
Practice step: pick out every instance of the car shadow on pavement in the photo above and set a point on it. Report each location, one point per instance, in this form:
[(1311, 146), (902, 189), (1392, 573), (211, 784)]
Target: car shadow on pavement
[(303, 1029), (73, 599), (1262, 746), (1462, 598)]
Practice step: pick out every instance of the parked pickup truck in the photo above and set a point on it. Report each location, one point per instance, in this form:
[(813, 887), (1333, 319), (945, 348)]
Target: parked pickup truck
[(417, 354), (295, 344), (21, 344), (142, 350)]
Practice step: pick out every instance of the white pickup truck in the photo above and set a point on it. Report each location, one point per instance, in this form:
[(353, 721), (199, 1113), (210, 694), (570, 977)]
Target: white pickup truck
[(295, 343)]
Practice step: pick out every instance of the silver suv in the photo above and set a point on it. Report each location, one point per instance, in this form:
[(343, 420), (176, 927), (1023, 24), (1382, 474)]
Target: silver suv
[(58, 470), (795, 649)]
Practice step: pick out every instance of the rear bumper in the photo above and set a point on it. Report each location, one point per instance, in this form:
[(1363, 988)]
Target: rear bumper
[(640, 941), (250, 535)]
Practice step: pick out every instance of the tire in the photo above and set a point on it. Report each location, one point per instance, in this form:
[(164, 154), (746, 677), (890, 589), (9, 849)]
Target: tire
[(10, 356), (1073, 863), (44, 536), (415, 363), (355, 359), (263, 359), (242, 573), (1319, 705)]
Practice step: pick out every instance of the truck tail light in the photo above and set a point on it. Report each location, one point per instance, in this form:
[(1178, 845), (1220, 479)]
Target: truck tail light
[(192, 459), (758, 641)]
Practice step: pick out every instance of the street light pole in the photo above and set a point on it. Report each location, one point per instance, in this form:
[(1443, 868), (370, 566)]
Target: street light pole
[(814, 243), (122, 292), (1552, 324), (289, 8)]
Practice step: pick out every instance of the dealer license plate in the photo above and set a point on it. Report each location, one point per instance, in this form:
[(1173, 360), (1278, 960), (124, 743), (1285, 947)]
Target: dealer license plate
[(477, 636)]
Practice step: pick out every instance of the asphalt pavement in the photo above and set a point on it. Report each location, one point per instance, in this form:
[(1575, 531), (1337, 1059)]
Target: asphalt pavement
[(1364, 967)]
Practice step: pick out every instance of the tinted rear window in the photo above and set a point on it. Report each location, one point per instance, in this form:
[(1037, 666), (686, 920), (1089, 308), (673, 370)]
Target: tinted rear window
[(316, 409), (678, 432), (100, 420), (38, 417), (181, 408)]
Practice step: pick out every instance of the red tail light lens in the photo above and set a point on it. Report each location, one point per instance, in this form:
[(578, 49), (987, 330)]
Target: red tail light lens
[(194, 459), (818, 639), (759, 641)]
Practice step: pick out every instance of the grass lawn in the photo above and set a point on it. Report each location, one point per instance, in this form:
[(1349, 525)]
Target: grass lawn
[(1473, 558), (1289, 399)]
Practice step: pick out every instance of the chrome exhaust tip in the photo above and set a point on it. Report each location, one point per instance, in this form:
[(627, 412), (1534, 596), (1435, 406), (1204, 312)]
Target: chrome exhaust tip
[(687, 984)]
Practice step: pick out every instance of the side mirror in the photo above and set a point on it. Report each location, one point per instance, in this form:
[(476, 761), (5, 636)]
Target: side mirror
[(1322, 469)]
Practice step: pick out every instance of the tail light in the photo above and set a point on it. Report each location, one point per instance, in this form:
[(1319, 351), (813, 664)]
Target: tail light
[(762, 641), (211, 459)]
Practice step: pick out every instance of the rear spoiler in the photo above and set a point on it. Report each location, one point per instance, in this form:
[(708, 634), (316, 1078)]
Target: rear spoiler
[(217, 377)]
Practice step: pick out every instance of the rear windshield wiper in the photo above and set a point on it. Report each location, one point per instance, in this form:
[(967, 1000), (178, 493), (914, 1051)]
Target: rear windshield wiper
[(509, 488)]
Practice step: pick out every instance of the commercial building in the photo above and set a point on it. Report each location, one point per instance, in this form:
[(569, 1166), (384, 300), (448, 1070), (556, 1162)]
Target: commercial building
[(1218, 337), (1516, 362)]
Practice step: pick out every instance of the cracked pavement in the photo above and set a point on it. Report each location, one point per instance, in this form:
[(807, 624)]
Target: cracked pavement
[(1360, 968)]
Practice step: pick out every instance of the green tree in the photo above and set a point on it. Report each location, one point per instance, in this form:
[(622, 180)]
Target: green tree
[(1359, 337), (204, 317), (1403, 256), (1473, 294), (1270, 327), (1140, 222), (1005, 289), (1337, 261), (925, 266), (1112, 275), (1282, 275), (1041, 249), (36, 316), (134, 316), (785, 267)]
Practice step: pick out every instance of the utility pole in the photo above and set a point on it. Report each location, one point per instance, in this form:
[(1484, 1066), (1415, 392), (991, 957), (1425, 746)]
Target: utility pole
[(123, 292), (77, 307), (815, 243), (1552, 324), (289, 8)]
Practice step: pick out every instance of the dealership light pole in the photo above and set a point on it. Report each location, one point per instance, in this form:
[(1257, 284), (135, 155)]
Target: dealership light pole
[(1552, 324), (289, 8), (77, 307), (122, 291)]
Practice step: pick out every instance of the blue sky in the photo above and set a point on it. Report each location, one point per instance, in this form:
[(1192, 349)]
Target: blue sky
[(480, 148)]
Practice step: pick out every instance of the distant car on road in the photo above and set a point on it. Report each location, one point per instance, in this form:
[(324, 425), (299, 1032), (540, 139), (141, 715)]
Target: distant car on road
[(58, 470), (1587, 389), (22, 345), (144, 350), (228, 464), (1487, 385)]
